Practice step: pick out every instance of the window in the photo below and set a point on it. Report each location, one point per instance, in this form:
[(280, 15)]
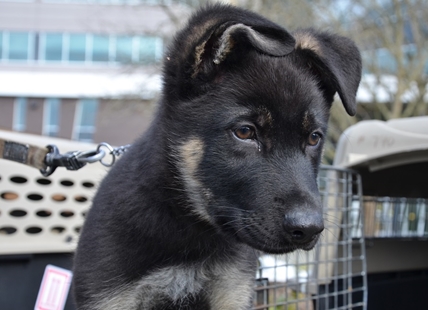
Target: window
[(20, 114), (85, 120), (1, 46), (77, 47), (100, 48), (150, 49), (20, 46), (51, 47), (124, 49), (51, 117)]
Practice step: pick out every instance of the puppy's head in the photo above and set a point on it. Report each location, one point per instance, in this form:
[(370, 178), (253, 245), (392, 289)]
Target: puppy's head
[(249, 105)]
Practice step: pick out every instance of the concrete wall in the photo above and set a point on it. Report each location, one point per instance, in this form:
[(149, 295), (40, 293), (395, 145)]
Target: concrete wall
[(35, 115), (68, 111), (6, 112), (120, 122)]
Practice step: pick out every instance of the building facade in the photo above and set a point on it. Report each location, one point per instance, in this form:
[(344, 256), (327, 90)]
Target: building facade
[(83, 70)]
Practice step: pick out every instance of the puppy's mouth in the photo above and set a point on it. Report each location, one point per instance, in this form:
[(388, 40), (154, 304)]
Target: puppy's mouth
[(274, 243), (273, 235)]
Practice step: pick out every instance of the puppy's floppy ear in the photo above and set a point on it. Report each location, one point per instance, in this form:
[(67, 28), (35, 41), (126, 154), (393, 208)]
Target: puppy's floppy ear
[(233, 38), (217, 39), (335, 60)]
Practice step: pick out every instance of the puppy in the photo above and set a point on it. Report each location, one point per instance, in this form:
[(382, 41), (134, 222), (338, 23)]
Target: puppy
[(228, 167)]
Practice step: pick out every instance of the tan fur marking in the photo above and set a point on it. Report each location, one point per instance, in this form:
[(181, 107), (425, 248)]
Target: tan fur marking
[(190, 156), (198, 31), (305, 40), (199, 50), (197, 34), (227, 43), (265, 117), (232, 289), (226, 46)]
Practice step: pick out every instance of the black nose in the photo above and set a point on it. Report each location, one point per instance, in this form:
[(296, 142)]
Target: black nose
[(302, 227)]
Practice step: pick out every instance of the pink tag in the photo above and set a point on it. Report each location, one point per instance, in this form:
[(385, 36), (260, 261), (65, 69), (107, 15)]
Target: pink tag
[(54, 289)]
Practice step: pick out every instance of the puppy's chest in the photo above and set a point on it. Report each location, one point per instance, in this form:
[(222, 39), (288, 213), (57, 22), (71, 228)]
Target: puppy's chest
[(176, 282), (198, 287)]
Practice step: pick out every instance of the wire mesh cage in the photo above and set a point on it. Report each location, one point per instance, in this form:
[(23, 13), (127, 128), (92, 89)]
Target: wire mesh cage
[(333, 274)]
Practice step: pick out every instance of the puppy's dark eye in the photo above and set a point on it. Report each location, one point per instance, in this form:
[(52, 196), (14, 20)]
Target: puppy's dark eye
[(245, 132), (314, 138)]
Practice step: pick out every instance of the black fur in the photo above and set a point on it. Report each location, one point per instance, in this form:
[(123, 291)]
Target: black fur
[(229, 165)]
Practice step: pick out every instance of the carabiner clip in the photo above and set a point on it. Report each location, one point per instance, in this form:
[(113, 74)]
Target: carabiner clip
[(54, 159)]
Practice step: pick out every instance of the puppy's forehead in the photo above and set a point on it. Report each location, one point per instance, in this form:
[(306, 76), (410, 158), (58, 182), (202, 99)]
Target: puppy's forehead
[(278, 91)]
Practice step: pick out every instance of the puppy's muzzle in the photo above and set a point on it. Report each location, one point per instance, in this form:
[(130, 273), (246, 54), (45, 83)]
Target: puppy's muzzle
[(303, 227)]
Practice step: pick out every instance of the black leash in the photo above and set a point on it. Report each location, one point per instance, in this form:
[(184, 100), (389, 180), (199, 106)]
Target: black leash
[(49, 158)]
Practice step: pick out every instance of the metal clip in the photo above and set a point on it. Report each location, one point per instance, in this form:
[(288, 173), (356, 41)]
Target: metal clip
[(54, 159), (91, 156), (77, 159)]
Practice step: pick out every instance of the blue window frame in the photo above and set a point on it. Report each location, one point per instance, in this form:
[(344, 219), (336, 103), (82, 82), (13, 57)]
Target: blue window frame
[(20, 114), (100, 48), (19, 46), (150, 49), (77, 47), (124, 49), (85, 120), (51, 117), (1, 46), (52, 47)]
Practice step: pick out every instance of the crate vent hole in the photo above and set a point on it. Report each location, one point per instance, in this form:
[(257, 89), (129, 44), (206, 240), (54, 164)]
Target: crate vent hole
[(67, 183), (44, 213), (33, 230), (18, 213), (18, 179), (88, 184), (67, 213), (35, 197), (43, 181), (7, 230), (80, 198), (58, 229), (78, 229), (9, 195), (58, 197)]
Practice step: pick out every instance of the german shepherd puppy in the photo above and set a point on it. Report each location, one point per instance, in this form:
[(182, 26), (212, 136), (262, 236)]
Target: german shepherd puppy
[(228, 167)]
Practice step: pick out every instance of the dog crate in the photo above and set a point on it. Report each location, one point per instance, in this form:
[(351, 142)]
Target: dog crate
[(39, 214), (40, 220), (392, 159)]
